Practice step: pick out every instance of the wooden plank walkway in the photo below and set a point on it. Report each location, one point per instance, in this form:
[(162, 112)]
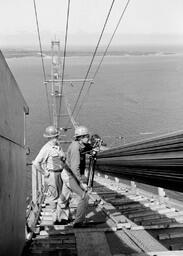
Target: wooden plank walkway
[(117, 215)]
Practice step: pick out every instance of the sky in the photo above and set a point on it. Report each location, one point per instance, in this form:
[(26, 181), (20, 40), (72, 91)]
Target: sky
[(145, 21)]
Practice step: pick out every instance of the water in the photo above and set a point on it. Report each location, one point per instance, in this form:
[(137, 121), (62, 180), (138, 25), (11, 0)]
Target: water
[(135, 96)]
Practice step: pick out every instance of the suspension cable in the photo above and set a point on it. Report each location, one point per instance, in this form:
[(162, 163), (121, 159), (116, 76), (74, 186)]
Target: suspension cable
[(104, 54), (43, 66), (63, 66), (94, 54)]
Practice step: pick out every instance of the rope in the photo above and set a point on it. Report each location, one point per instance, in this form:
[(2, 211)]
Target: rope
[(41, 51), (111, 38), (105, 52), (63, 67), (74, 123), (94, 54)]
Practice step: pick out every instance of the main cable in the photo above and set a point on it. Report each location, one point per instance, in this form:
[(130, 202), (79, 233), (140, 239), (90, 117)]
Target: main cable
[(104, 54), (43, 66), (63, 66), (94, 54)]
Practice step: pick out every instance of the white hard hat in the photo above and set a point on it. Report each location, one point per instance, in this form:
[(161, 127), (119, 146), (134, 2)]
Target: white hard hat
[(80, 131), (51, 132)]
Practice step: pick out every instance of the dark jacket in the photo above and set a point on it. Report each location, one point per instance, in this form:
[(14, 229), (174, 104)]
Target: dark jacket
[(76, 158)]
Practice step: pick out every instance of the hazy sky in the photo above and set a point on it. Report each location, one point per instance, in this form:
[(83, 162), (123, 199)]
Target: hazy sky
[(146, 20)]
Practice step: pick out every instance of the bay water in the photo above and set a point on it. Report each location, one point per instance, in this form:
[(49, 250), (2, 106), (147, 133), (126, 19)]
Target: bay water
[(133, 97)]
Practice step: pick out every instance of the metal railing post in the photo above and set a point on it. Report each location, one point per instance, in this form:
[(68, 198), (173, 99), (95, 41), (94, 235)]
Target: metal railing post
[(34, 184), (39, 182)]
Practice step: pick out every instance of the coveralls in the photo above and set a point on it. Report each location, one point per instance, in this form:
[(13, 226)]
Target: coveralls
[(50, 160), (72, 179)]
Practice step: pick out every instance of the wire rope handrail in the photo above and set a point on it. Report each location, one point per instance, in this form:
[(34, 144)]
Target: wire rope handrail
[(74, 123), (65, 48), (104, 54), (42, 61), (63, 66), (94, 54)]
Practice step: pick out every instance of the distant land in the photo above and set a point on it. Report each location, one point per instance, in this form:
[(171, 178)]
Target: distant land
[(139, 50)]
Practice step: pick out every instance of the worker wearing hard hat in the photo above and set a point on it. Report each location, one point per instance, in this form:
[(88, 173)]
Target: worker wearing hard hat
[(72, 176), (50, 162), (75, 153)]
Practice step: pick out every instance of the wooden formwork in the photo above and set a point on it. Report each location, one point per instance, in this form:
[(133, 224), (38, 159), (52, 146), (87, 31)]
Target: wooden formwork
[(122, 222)]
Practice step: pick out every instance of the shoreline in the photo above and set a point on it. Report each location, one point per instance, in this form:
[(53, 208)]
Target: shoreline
[(21, 54)]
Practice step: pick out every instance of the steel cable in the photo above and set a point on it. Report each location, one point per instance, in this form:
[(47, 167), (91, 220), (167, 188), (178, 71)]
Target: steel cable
[(43, 67), (104, 54), (94, 54), (63, 66)]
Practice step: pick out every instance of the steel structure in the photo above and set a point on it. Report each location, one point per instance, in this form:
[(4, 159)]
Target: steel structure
[(55, 80)]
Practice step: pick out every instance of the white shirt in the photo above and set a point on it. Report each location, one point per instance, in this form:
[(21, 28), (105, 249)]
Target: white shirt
[(50, 157)]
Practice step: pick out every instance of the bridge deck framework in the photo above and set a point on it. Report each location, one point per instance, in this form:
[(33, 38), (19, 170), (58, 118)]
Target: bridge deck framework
[(124, 221)]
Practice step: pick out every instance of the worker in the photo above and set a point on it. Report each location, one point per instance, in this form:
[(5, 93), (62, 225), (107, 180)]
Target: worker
[(76, 154), (49, 162), (73, 172)]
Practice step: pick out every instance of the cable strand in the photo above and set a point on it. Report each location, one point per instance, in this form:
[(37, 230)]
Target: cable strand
[(94, 54), (63, 66), (104, 54), (42, 61)]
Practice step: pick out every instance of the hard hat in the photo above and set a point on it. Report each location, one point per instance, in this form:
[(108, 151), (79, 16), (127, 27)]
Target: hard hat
[(80, 131), (50, 132)]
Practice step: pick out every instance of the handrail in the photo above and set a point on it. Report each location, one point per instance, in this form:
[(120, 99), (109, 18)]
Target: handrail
[(34, 207), (37, 184), (157, 161)]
